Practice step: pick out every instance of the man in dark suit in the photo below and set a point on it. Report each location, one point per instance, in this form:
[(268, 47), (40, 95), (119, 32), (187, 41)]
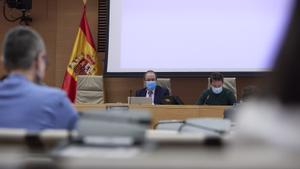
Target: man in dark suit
[(157, 93)]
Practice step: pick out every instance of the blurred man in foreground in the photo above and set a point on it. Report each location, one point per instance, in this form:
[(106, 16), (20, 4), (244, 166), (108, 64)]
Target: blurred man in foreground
[(24, 103)]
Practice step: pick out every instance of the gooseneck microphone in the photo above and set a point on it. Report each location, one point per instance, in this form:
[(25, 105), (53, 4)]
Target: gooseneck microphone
[(207, 97)]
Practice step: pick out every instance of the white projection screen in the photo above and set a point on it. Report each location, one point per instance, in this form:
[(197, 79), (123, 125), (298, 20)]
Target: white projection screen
[(195, 36)]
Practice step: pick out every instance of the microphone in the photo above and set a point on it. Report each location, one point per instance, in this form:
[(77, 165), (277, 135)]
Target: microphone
[(130, 95), (199, 126), (207, 97)]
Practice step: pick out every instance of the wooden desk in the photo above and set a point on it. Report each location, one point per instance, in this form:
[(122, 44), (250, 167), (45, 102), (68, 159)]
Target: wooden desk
[(165, 112)]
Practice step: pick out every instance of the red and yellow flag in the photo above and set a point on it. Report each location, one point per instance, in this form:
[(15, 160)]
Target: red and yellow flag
[(83, 60)]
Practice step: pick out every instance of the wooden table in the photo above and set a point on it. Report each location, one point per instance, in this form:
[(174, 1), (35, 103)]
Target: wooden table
[(164, 112)]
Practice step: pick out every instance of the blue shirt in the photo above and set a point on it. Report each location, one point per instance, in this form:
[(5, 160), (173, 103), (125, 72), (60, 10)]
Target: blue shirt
[(24, 104)]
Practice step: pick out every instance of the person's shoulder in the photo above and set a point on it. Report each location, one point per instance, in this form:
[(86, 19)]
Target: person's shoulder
[(206, 92), (54, 98), (162, 89), (227, 91), (140, 91), (44, 91)]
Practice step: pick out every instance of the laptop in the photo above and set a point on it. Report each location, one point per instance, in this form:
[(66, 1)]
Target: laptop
[(139, 100)]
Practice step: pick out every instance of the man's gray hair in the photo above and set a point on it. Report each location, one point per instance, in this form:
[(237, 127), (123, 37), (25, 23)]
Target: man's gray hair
[(21, 47)]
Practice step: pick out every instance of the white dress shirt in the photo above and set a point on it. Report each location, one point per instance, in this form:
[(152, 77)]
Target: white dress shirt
[(152, 95)]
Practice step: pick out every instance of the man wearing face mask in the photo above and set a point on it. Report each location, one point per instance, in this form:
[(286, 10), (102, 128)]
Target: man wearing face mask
[(24, 102), (216, 94), (152, 90)]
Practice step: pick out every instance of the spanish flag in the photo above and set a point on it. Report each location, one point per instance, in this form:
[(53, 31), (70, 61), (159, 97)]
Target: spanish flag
[(83, 60)]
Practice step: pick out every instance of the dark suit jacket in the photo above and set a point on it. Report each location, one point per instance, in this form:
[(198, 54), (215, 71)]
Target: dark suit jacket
[(159, 94)]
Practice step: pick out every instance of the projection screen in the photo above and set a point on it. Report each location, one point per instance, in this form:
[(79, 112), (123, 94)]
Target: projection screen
[(190, 36)]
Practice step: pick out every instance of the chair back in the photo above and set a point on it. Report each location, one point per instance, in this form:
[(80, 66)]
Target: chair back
[(165, 83), (90, 89)]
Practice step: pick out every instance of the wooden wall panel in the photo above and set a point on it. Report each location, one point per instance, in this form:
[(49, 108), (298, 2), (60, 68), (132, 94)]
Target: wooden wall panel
[(44, 15), (188, 89), (118, 89), (4, 26)]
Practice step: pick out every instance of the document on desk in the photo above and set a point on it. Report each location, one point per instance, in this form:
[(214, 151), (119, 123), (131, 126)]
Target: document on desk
[(99, 152)]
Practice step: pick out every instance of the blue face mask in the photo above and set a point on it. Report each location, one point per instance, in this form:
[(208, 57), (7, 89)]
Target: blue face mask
[(150, 85), (217, 90)]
